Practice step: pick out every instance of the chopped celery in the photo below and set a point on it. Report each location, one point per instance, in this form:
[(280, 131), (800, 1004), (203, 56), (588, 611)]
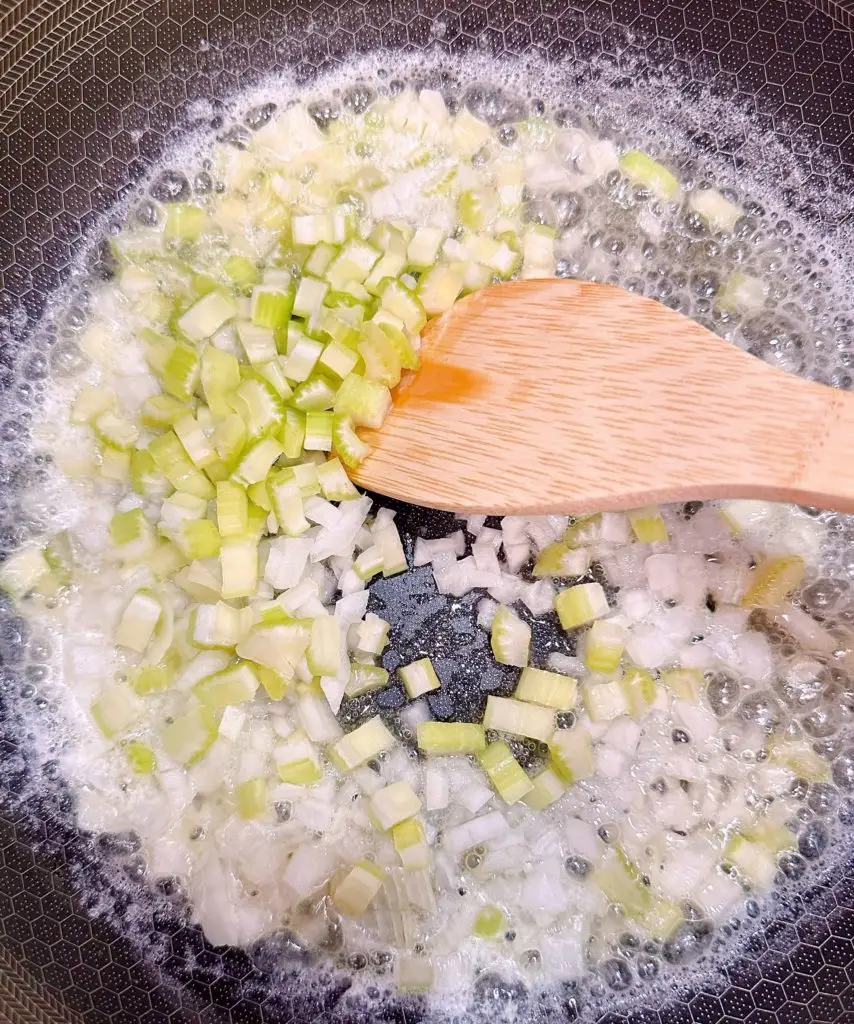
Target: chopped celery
[(394, 558), (742, 293), (662, 919), (511, 638), (140, 757), (154, 679), (198, 538), (231, 686), (205, 317), (239, 563), (325, 648), (640, 689), (174, 463), (318, 432), (276, 644), (440, 288), (116, 431), (772, 581), (546, 788), (274, 374), (559, 559), (316, 393), (379, 355), (686, 683), (241, 271), (578, 605), (349, 447), (572, 754), (505, 773), (216, 625), (503, 714), (364, 401), (259, 406), (403, 303), (754, 860), (293, 433), (551, 689), (719, 213), (450, 737), (641, 169), (196, 442), (372, 635), (232, 509), (116, 710), (184, 222), (647, 524), (489, 923), (799, 757), (21, 572), (419, 677), (335, 485), (138, 622), (188, 738), (257, 460), (271, 307), (365, 679), (410, 844), (286, 499), (363, 743), (259, 343), (369, 562), (357, 890), (90, 403), (621, 882), (302, 359), (338, 359), (163, 411), (181, 371), (251, 798), (604, 645), (414, 974), (115, 464), (145, 478), (605, 701), (309, 296), (298, 762), (393, 804)]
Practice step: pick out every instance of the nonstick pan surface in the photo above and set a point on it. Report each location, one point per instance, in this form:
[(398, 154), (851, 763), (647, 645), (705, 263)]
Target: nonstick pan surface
[(91, 93)]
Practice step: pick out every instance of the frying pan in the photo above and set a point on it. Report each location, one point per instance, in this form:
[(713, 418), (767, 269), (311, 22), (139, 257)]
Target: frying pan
[(91, 92)]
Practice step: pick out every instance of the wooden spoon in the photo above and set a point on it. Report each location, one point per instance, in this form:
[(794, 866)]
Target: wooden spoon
[(564, 396)]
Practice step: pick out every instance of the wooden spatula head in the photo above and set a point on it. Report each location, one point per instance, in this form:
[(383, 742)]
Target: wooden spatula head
[(566, 396)]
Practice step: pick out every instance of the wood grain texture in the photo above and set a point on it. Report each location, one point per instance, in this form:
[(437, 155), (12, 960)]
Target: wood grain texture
[(566, 396)]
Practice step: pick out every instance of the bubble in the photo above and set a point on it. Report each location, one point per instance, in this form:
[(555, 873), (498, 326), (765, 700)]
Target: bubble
[(793, 866), (821, 722), (617, 973), (170, 187), (722, 692), (257, 117), (822, 798), (647, 967), (813, 840), (824, 596), (493, 990), (359, 98), (843, 769), (690, 940), (577, 866), (761, 709)]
